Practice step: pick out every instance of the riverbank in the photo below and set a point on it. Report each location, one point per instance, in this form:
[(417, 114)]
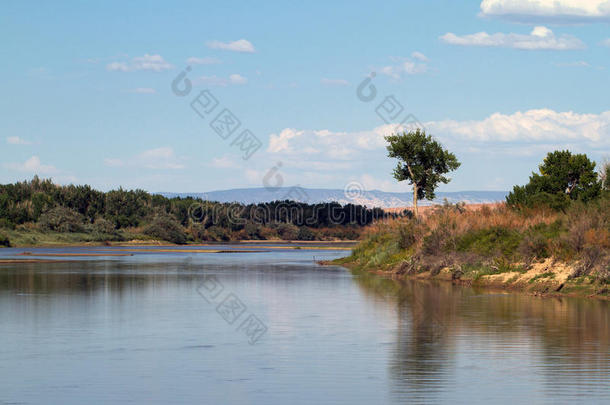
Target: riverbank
[(22, 238), (536, 251), (546, 279)]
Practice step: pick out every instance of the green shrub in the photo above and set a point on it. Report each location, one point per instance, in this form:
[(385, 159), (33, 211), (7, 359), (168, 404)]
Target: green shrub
[(4, 241), (62, 219), (217, 234), (490, 242), (167, 229), (6, 224), (288, 231), (406, 235), (305, 234)]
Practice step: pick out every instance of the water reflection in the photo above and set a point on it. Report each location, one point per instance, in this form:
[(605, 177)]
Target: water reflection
[(506, 339), (333, 337)]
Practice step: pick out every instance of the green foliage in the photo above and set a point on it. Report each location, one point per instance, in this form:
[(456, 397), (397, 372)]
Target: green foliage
[(305, 234), (166, 228), (563, 178), (217, 234), (6, 224), (287, 231), (491, 241), (4, 241), (110, 215), (61, 219), (421, 160)]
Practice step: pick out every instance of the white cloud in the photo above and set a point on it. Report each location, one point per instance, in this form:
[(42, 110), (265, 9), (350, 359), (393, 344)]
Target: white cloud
[(281, 142), (154, 63), (540, 38), (242, 45), (533, 126), (547, 10), (334, 82), (32, 165), (159, 158), (406, 66), (533, 131), (606, 42), (419, 56), (235, 78), (202, 61), (143, 90), (224, 162), (15, 140)]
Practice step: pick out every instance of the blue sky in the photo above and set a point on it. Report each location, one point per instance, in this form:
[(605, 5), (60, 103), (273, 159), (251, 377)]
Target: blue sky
[(88, 96)]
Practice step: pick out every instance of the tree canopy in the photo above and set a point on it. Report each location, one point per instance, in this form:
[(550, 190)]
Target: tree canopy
[(562, 177), (422, 161)]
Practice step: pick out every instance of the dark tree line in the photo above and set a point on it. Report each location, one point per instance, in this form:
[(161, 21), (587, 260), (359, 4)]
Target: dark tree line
[(33, 201)]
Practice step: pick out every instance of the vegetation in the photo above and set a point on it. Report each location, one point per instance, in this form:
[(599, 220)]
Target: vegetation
[(422, 161), (563, 178), (4, 241), (527, 243), (40, 212)]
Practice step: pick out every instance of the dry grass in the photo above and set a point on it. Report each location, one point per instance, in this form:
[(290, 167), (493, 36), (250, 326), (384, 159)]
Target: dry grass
[(491, 239)]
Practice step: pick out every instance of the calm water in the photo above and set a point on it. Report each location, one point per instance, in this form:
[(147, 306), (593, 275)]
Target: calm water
[(149, 328)]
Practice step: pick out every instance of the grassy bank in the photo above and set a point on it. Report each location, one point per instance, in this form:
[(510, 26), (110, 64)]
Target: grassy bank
[(535, 250)]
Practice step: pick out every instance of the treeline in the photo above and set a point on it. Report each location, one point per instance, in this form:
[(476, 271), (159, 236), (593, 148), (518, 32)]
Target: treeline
[(119, 214)]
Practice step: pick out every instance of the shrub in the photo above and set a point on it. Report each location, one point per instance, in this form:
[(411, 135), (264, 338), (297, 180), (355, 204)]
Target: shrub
[(533, 247), (288, 231), (407, 235), (4, 241), (491, 241), (167, 229), (252, 231), (305, 234), (217, 234), (62, 219), (5, 223), (102, 225)]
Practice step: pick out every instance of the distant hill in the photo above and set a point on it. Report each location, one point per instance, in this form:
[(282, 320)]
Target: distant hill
[(372, 198)]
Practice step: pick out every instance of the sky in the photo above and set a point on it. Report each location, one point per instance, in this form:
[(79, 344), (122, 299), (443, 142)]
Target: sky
[(199, 96)]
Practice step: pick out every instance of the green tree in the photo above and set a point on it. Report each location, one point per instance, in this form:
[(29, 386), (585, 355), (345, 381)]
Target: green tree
[(563, 177), (422, 161)]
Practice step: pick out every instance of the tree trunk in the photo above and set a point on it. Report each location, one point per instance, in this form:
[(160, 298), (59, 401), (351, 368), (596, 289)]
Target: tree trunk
[(415, 209)]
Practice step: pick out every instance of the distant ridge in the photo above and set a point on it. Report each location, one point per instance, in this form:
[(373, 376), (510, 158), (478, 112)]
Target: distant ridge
[(370, 198)]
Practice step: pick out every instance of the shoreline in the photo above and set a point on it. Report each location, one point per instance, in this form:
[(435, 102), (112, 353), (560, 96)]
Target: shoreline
[(152, 243), (554, 284)]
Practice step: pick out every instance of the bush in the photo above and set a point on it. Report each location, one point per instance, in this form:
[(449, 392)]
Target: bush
[(533, 247), (4, 241), (102, 225), (252, 231), (167, 229), (217, 234), (62, 219), (407, 235), (491, 241), (6, 224), (305, 234), (288, 231)]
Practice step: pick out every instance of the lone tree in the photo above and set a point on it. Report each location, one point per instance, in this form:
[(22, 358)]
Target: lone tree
[(422, 161), (563, 177)]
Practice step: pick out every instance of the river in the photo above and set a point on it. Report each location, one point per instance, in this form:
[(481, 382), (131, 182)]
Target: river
[(270, 326)]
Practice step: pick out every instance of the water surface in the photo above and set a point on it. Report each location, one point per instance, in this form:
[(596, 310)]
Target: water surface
[(146, 329)]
